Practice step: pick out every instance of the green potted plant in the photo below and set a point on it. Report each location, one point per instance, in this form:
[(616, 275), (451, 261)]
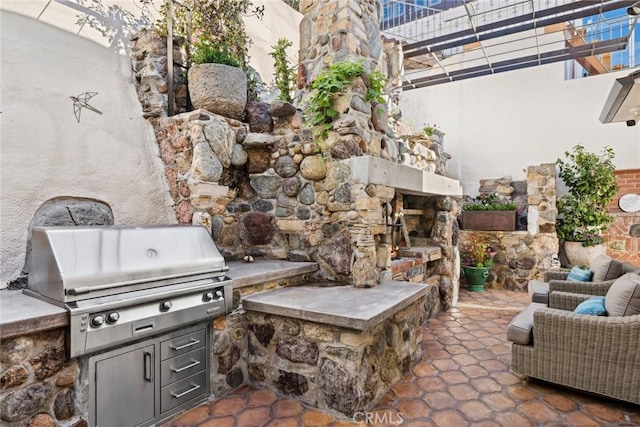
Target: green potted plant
[(488, 212), (218, 46), (477, 260), (582, 213)]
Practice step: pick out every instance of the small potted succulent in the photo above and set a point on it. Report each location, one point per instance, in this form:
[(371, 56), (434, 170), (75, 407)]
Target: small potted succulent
[(476, 258), (489, 212)]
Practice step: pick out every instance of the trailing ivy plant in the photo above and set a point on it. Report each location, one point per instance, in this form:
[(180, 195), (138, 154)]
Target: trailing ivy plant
[(592, 184), (284, 75), (330, 84)]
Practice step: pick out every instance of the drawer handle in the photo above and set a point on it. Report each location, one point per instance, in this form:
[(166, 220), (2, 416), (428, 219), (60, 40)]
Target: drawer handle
[(184, 393), (190, 365), (192, 343)]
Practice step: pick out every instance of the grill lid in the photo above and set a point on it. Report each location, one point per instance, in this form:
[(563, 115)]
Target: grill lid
[(67, 262)]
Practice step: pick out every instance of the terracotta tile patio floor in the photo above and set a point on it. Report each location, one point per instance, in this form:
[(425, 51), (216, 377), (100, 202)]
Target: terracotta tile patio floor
[(463, 379)]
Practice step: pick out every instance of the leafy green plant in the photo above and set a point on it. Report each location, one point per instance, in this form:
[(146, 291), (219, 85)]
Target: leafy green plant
[(592, 184), (429, 130), (330, 84), (207, 54), (284, 75), (489, 202)]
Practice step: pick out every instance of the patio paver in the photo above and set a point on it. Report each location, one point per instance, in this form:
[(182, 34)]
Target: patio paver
[(463, 379)]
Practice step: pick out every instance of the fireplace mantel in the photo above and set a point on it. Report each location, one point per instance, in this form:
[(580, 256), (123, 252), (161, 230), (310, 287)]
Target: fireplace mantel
[(405, 179)]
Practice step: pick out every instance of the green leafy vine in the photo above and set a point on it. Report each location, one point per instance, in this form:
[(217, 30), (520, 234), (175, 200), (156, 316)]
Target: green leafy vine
[(284, 75), (329, 85)]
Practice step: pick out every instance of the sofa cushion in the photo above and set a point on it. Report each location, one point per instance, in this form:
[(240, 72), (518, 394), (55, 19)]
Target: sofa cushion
[(605, 268), (593, 306), (520, 330), (539, 291), (578, 274), (623, 297)]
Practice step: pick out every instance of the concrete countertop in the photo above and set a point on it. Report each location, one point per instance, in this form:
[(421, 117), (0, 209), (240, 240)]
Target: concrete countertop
[(345, 306), (22, 314)]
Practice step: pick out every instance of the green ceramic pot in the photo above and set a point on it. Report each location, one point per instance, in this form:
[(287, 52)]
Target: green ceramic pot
[(476, 277)]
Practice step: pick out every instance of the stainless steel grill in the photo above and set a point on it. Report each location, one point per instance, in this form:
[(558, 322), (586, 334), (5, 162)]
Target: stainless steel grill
[(121, 284)]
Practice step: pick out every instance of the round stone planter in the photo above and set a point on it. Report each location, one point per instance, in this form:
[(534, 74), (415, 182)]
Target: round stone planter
[(219, 89), (581, 255), (476, 277)]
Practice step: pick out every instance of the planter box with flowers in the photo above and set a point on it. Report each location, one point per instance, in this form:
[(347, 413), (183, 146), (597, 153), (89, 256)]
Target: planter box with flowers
[(488, 213)]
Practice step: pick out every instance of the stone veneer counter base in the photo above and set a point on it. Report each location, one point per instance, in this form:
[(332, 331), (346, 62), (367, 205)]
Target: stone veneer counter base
[(344, 306)]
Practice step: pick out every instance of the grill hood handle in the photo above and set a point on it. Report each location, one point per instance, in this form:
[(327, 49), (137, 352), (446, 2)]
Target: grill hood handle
[(80, 290)]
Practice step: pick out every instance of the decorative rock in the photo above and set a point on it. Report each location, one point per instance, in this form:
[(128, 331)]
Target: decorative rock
[(258, 159), (342, 194), (64, 403), (22, 403), (266, 185), (13, 377), (228, 359), (286, 167), (346, 149), (634, 230), (281, 212), (262, 205), (184, 212), (15, 350), (206, 166), (48, 362), (359, 104), (259, 228), (42, 420), (263, 333), (292, 384), (235, 378), (313, 168), (239, 156), (337, 253), (218, 88), (291, 186), (340, 388), (297, 350), (307, 195), (260, 140), (285, 201), (303, 213), (282, 109), (258, 115)]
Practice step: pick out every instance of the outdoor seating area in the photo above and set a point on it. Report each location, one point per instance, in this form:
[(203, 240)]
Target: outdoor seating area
[(463, 379)]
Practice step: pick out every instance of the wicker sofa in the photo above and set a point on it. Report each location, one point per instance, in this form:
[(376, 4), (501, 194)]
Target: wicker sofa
[(598, 354)]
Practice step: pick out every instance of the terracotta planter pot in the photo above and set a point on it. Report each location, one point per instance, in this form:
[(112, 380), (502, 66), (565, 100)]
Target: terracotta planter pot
[(581, 255), (489, 220)]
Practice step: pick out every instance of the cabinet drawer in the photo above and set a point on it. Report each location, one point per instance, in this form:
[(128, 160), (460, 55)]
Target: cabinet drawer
[(183, 344), (183, 391), (182, 366)]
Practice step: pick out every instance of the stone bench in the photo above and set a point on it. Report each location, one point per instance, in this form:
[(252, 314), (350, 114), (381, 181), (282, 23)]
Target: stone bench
[(337, 348)]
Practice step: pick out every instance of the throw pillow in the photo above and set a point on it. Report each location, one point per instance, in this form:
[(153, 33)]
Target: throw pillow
[(593, 306), (605, 268), (623, 297), (578, 274)]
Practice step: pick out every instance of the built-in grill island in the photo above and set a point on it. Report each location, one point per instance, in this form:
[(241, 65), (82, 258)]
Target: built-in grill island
[(140, 301)]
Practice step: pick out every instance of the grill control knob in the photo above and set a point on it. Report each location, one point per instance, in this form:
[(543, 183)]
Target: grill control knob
[(113, 317), (97, 321), (211, 295), (165, 306)]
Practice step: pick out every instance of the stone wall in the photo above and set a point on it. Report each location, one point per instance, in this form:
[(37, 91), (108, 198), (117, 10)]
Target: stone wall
[(39, 385), (520, 256), (329, 367)]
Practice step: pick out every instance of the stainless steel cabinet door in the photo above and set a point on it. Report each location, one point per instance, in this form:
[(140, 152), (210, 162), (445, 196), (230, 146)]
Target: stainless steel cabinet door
[(125, 389)]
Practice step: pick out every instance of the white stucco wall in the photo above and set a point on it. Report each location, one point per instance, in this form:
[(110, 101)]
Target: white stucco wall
[(498, 125), (46, 153)]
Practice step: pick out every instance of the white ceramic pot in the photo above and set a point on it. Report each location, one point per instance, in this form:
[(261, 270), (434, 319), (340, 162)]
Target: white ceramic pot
[(581, 255)]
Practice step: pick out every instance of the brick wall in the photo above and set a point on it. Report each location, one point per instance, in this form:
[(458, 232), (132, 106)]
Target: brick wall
[(620, 244)]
